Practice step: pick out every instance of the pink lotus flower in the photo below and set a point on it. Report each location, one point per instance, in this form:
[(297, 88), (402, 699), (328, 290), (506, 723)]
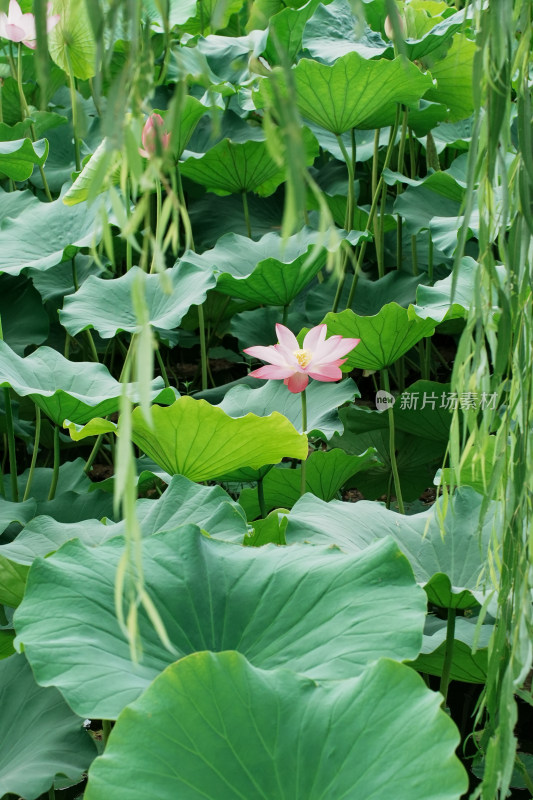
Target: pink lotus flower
[(319, 358), (152, 133), (19, 27)]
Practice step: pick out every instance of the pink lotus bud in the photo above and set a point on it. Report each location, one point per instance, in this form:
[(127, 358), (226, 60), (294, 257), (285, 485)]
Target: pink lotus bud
[(151, 134)]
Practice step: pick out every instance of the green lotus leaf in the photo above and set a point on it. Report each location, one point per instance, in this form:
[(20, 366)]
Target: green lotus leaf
[(101, 170), (454, 76), (18, 157), (374, 89), (214, 725), (40, 739), (333, 31), (436, 301), (24, 320), (47, 230), (467, 665), (95, 427), (385, 337), (449, 561), (241, 166), (317, 611), (71, 41), (326, 473), (195, 439), (270, 530), (323, 401), (61, 388), (271, 270), (108, 305), (183, 502)]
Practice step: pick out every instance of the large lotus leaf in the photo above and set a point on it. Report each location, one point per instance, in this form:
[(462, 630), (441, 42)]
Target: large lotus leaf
[(46, 229), (195, 439), (18, 158), (183, 502), (385, 337), (63, 389), (216, 726), (449, 561), (24, 320), (40, 737), (313, 610), (108, 306), (354, 92), (467, 665), (240, 166), (72, 41), (269, 271), (326, 473), (323, 400), (333, 31), (454, 75)]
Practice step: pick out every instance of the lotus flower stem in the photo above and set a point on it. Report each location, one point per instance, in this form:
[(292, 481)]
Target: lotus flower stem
[(304, 430), (392, 445), (246, 214), (448, 655), (51, 793), (55, 473), (11, 446), (36, 440)]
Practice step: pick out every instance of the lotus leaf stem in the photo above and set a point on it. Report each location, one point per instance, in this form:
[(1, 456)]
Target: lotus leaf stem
[(392, 445), (448, 655), (35, 452), (55, 473)]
